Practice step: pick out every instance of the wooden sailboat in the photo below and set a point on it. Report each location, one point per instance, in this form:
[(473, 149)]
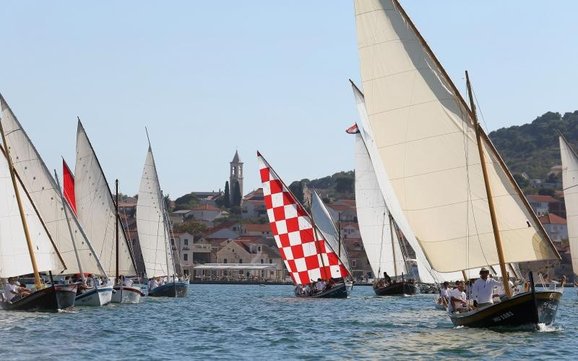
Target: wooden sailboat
[(98, 213), (62, 224), (306, 253), (570, 187), (25, 244), (455, 195), (154, 235)]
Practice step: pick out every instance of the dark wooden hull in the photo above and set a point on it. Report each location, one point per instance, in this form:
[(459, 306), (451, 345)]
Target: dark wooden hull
[(396, 289), (175, 289), (518, 311), (339, 290), (49, 299)]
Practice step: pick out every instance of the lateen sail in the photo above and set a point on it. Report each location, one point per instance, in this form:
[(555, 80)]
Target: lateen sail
[(570, 185), (152, 229), (306, 254), (46, 196), (324, 222), (96, 209), (14, 255), (426, 143)]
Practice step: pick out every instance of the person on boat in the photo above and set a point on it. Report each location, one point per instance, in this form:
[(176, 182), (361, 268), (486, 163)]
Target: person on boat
[(320, 285), (14, 292), (444, 294), (126, 281), (307, 290), (457, 297), (483, 289), (153, 283), (386, 278)]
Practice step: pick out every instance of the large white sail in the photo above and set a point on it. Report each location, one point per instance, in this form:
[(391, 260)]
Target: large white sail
[(379, 239), (324, 222), (46, 196), (425, 140), (14, 254), (153, 233), (96, 209), (570, 185)]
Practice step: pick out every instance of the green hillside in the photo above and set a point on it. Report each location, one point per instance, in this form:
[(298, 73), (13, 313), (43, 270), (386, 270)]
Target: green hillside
[(534, 148)]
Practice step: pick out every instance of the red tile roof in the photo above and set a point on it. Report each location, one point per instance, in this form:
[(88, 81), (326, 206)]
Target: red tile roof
[(551, 218)]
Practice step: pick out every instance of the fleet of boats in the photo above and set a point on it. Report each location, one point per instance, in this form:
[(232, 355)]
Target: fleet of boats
[(427, 179)]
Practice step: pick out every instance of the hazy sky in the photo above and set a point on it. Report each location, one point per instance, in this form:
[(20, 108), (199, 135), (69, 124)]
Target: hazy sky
[(210, 77)]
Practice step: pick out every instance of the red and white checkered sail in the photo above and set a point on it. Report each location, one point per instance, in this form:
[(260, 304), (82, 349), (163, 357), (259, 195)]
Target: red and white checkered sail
[(305, 252)]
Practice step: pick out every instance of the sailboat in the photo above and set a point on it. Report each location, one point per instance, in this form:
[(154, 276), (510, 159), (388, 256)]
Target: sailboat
[(98, 213), (25, 244), (450, 189), (63, 226), (315, 268), (154, 235), (376, 225), (570, 187)]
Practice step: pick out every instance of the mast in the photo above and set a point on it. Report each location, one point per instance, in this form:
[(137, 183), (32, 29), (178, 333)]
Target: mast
[(497, 236), (319, 253), (116, 217), (37, 281), (70, 229), (392, 244)]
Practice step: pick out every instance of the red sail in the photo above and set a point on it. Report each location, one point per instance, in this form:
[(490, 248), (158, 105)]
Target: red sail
[(305, 252), (68, 186)]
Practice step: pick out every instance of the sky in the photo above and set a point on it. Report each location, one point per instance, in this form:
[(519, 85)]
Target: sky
[(208, 78)]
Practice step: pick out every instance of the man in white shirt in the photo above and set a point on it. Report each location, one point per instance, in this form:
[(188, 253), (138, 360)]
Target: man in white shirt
[(457, 296), (12, 290), (444, 294), (483, 289)]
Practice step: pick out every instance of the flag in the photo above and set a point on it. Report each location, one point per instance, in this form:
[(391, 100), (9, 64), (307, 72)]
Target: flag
[(352, 129), (68, 186)]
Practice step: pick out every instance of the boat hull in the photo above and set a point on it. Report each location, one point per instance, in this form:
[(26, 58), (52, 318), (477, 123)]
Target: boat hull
[(396, 289), (124, 294), (174, 289), (49, 299), (339, 290), (520, 310), (95, 297)]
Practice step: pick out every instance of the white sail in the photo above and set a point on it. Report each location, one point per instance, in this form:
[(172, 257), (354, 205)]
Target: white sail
[(379, 239), (96, 209), (425, 141), (570, 186), (324, 222), (153, 233), (14, 254), (46, 196)]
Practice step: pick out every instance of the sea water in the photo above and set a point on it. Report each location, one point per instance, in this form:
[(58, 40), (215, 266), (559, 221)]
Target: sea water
[(253, 322)]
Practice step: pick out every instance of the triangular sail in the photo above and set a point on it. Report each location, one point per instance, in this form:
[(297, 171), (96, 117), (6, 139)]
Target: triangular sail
[(324, 222), (153, 233), (425, 141), (46, 196), (14, 254), (306, 254), (379, 239), (96, 209), (570, 185)]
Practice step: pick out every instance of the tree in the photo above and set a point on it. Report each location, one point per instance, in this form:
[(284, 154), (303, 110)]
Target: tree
[(297, 189), (192, 227), (227, 196), (236, 200)]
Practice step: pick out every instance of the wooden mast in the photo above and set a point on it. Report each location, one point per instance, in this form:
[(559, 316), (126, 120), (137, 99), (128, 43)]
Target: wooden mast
[(116, 219), (497, 236), (37, 281), (392, 244)]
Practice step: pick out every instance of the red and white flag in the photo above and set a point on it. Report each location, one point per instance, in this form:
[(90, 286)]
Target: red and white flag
[(352, 129)]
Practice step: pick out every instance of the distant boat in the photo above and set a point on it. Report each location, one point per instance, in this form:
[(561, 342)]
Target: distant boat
[(154, 235), (570, 187), (315, 268), (456, 196), (97, 212), (25, 243)]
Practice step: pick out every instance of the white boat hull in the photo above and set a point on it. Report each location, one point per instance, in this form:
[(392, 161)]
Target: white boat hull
[(123, 294), (94, 297)]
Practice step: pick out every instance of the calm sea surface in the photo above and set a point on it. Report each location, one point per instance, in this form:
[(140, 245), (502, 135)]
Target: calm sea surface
[(238, 322)]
